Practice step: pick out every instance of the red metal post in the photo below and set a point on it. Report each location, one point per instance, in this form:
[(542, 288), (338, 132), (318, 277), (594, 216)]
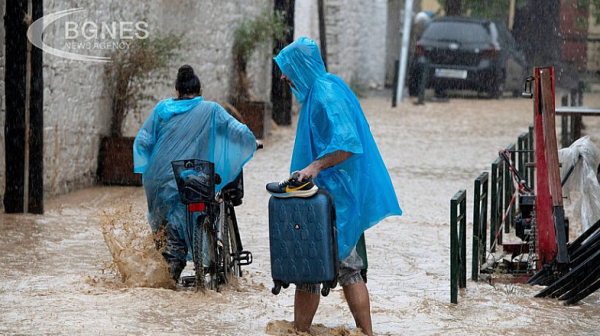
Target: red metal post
[(544, 208)]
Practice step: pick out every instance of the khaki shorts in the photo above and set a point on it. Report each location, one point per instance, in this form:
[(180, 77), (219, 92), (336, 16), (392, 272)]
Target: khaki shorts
[(348, 274)]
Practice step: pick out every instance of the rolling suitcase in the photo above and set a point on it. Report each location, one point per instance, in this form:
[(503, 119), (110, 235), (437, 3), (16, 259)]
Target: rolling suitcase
[(303, 241)]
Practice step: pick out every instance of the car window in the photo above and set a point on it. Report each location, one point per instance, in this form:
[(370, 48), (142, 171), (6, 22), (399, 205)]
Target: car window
[(496, 35), (511, 40), (465, 32), (506, 38)]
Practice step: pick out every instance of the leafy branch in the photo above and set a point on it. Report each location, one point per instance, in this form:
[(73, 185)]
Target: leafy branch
[(247, 37), (127, 76)]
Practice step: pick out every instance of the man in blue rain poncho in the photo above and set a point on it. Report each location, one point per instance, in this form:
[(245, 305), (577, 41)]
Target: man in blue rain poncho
[(335, 147), (186, 127)]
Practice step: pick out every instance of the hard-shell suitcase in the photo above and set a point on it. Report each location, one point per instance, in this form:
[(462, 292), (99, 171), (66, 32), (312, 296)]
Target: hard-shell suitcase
[(303, 241)]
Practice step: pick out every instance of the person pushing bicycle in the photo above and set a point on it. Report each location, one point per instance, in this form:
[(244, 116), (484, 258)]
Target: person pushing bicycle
[(185, 127)]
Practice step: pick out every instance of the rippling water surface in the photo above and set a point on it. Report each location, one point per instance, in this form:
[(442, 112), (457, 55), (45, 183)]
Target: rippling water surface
[(87, 266)]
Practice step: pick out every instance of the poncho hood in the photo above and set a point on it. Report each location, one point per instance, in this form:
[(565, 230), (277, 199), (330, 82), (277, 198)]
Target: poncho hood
[(170, 107), (301, 62)]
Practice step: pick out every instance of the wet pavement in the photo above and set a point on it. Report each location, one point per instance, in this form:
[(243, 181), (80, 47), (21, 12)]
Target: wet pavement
[(58, 276)]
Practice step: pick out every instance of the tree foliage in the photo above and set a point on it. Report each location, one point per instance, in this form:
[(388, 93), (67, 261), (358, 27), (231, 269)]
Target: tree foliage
[(592, 5), (490, 9), (498, 9), (129, 73), (251, 33)]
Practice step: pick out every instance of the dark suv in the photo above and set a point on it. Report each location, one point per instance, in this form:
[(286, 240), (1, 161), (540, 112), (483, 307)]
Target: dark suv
[(468, 54)]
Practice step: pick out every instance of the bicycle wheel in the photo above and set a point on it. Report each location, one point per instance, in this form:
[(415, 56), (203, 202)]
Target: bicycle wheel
[(205, 244), (197, 251), (231, 266), (234, 248)]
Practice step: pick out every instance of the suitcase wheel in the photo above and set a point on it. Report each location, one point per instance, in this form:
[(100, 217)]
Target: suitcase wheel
[(277, 284), (276, 289), (325, 290)]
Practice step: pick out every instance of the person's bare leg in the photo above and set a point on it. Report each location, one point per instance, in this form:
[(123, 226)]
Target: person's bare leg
[(357, 296), (305, 307)]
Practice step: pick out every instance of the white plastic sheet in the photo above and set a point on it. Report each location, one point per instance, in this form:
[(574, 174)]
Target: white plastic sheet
[(582, 187)]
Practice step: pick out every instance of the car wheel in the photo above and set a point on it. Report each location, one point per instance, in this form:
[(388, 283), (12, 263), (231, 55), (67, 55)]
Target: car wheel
[(497, 88), (440, 93), (414, 80), (516, 93), (413, 87)]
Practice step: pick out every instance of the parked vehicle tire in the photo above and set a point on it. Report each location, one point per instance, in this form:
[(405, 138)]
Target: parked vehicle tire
[(231, 265), (497, 88), (440, 92), (206, 275), (198, 251), (414, 80)]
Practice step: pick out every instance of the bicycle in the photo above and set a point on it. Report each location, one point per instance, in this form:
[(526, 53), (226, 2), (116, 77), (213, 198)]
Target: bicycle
[(215, 229)]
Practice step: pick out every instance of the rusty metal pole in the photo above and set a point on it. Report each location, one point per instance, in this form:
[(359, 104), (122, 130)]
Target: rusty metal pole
[(549, 207)]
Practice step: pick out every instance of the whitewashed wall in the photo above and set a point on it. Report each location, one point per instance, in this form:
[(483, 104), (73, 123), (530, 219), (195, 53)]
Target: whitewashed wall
[(76, 108), (306, 20), (356, 37)]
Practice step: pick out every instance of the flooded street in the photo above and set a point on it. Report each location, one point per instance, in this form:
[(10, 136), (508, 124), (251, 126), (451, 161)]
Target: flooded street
[(58, 276)]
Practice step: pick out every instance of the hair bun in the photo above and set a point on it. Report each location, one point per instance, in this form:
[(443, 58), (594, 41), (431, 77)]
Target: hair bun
[(185, 73), (187, 82)]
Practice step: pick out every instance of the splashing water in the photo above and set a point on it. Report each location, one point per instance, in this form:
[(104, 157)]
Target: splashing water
[(131, 245)]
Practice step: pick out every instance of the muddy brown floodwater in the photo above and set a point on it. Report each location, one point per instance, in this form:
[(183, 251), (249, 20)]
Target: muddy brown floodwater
[(60, 275)]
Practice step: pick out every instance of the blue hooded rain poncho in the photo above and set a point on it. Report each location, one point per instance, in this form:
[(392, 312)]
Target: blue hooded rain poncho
[(186, 129), (331, 120)]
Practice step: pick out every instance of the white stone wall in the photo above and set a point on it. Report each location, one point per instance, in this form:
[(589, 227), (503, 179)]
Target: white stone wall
[(2, 105), (76, 108), (356, 37), (208, 39), (372, 23), (395, 7), (306, 20)]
